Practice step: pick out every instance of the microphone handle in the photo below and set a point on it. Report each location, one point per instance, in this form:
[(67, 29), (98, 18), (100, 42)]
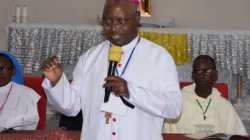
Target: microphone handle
[(111, 72)]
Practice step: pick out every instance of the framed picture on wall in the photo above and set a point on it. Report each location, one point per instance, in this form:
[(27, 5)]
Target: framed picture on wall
[(145, 7)]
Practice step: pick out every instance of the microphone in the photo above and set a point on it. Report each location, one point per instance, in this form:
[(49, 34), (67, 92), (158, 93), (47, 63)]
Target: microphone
[(114, 56)]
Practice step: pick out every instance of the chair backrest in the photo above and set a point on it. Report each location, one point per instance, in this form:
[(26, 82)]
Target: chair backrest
[(222, 88), (35, 82)]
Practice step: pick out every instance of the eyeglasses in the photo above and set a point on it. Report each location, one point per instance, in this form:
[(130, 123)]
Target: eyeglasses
[(4, 69), (107, 23), (205, 71)]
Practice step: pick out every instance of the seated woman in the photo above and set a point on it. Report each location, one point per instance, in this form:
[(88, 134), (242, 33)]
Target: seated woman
[(18, 103)]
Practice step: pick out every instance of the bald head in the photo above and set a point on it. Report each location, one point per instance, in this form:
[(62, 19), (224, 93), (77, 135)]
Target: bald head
[(120, 21), (132, 6), (205, 58)]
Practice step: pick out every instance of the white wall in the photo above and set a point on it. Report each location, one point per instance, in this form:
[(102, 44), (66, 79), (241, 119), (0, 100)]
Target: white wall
[(205, 14), (50, 11), (208, 14)]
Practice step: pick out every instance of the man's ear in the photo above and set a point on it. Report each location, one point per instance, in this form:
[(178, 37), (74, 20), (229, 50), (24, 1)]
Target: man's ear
[(138, 17), (13, 72), (215, 76), (192, 76)]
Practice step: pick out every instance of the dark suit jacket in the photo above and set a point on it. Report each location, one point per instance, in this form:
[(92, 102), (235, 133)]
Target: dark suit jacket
[(71, 123)]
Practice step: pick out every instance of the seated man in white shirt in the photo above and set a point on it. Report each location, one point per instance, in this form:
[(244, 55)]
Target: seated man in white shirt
[(204, 109), (18, 104)]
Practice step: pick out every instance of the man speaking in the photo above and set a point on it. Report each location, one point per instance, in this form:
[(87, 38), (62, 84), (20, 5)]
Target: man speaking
[(126, 101)]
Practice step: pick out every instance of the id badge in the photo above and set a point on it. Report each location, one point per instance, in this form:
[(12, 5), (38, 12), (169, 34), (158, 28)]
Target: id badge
[(208, 128)]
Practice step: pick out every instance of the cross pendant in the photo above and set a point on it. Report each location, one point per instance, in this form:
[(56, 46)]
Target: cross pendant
[(107, 116), (204, 117)]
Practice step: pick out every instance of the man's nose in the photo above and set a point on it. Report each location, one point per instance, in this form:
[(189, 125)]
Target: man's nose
[(114, 25), (202, 75)]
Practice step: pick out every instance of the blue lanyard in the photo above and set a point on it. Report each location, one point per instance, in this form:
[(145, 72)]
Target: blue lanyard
[(124, 69)]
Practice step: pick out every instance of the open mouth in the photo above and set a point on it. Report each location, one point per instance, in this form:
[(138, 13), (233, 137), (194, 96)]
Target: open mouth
[(115, 36)]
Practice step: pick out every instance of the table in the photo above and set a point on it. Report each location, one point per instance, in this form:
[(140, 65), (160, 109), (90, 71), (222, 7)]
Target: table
[(63, 134), (33, 43), (54, 134)]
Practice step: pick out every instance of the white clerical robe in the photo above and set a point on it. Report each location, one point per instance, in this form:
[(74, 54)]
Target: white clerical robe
[(20, 108), (221, 116), (153, 86)]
